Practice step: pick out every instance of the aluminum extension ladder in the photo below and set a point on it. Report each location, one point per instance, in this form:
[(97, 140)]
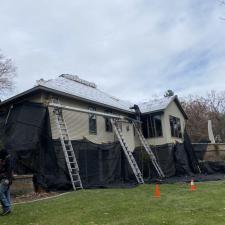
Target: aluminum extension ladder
[(128, 153), (67, 147), (149, 151)]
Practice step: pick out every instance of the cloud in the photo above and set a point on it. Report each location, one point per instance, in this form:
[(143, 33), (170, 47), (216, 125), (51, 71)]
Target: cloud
[(132, 49)]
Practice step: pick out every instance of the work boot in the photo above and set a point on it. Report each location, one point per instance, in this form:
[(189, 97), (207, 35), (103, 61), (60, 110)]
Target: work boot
[(5, 212)]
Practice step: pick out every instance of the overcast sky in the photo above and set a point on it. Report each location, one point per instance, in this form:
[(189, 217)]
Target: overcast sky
[(132, 49)]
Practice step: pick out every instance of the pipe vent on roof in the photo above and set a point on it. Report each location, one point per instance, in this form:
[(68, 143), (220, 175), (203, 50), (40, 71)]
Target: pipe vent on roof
[(79, 80)]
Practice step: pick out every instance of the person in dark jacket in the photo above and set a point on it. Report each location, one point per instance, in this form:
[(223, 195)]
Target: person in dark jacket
[(5, 181), (137, 112)]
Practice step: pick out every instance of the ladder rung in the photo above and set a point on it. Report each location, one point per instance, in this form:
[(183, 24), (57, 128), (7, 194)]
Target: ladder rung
[(75, 175), (69, 154), (76, 181)]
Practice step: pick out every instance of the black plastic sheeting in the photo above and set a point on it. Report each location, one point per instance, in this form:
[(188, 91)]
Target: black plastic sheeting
[(194, 164), (27, 136), (102, 165), (177, 165), (173, 160), (165, 157)]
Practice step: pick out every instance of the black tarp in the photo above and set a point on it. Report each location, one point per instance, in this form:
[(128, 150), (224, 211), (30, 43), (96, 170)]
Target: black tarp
[(194, 164), (174, 160), (165, 157), (27, 135)]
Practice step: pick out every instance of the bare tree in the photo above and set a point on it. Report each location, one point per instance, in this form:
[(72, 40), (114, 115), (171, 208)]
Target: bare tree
[(202, 109), (7, 74)]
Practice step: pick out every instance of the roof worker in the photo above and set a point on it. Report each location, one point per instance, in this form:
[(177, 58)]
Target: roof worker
[(137, 112), (5, 181)]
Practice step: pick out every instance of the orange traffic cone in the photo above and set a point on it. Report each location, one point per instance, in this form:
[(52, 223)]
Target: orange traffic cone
[(157, 191), (193, 187)]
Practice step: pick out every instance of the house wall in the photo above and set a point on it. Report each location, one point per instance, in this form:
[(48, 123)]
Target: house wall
[(173, 110), (78, 124), (38, 98), (160, 140)]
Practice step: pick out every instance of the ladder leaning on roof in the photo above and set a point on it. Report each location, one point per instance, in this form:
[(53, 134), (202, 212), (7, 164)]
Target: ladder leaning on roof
[(127, 152), (67, 147), (149, 151)]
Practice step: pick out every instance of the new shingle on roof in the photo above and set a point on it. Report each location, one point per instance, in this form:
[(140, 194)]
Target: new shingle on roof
[(66, 84), (154, 105), (75, 87), (84, 91)]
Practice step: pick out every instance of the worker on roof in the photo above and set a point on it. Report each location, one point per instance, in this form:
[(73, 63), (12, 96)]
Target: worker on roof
[(137, 112), (5, 181)]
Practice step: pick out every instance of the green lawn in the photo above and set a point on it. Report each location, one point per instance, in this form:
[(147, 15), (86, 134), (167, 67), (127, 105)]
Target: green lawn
[(177, 206)]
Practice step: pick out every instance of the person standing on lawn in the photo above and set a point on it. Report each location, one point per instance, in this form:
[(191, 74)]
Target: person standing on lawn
[(5, 181)]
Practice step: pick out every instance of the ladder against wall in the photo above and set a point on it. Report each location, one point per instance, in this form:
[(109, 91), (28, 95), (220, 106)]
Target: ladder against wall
[(67, 147), (148, 150), (127, 152)]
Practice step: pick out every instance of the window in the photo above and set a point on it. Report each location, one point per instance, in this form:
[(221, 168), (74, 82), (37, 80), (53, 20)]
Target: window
[(108, 125), (175, 127), (92, 121), (152, 126), (155, 126)]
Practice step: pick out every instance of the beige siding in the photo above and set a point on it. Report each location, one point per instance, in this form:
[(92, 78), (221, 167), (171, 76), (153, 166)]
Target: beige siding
[(128, 133), (160, 140), (78, 125), (173, 110), (155, 141)]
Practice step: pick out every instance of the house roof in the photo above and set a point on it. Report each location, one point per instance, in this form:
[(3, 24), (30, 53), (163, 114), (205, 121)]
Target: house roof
[(160, 104), (74, 87), (155, 105)]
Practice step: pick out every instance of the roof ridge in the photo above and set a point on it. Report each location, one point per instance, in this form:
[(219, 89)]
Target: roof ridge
[(77, 79)]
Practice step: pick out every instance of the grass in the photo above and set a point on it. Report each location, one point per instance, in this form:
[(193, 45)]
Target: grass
[(134, 206)]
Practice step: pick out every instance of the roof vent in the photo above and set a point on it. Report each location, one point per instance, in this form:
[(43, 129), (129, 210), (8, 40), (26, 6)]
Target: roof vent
[(79, 80)]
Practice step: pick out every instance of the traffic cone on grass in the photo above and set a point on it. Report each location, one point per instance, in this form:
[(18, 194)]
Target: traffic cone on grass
[(193, 187), (157, 191)]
